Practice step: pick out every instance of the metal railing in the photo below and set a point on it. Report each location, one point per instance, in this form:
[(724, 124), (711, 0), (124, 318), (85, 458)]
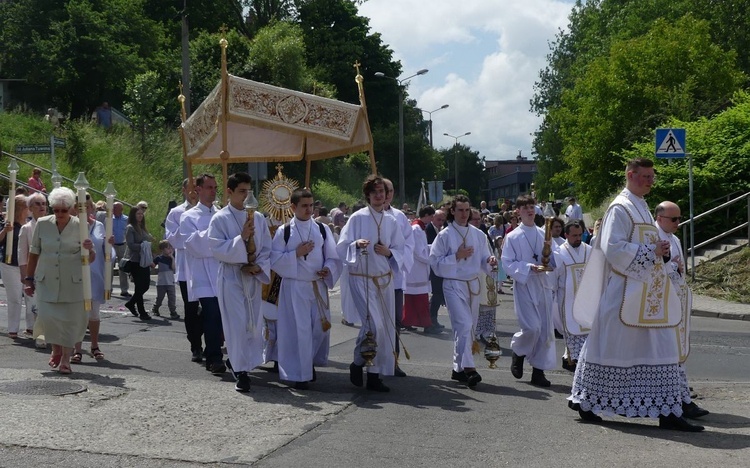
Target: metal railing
[(685, 225), (49, 171)]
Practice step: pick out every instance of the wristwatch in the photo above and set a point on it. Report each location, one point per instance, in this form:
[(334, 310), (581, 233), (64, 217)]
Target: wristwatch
[(29, 278)]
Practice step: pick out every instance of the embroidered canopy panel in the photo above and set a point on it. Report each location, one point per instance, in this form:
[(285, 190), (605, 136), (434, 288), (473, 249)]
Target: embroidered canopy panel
[(268, 123)]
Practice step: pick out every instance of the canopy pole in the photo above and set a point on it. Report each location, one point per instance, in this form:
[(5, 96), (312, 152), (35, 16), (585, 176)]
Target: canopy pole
[(373, 166), (224, 155), (308, 166)]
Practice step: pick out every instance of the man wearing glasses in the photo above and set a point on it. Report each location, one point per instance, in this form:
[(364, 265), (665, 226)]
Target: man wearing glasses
[(667, 222)]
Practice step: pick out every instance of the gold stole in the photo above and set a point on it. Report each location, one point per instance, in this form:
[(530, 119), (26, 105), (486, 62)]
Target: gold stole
[(573, 275), (652, 303)]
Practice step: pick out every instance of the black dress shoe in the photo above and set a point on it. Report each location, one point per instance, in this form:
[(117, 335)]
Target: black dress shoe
[(398, 372), (243, 382), (568, 366), (197, 356), (375, 384), (538, 378), (301, 386), (459, 376), (693, 411), (144, 316), (355, 375), (217, 368), (131, 308), (516, 366), (473, 378), (589, 416), (675, 423)]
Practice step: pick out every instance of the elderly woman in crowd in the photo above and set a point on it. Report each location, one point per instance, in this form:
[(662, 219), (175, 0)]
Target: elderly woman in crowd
[(37, 203), (135, 235), (11, 274), (96, 234), (55, 276)]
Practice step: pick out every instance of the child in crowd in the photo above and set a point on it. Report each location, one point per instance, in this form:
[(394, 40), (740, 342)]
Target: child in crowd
[(164, 264)]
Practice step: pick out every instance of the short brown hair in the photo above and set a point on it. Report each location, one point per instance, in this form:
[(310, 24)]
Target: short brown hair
[(635, 164), (371, 181)]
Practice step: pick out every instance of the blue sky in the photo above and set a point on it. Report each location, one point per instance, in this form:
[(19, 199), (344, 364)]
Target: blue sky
[(484, 57)]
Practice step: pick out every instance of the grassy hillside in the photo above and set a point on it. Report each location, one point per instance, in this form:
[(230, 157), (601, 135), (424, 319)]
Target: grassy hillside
[(154, 175), (727, 278)]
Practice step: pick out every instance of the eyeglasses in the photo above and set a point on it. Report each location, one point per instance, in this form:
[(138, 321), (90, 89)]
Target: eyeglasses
[(674, 219), (60, 210)]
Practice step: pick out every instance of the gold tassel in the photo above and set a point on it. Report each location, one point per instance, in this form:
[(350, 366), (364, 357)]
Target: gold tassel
[(325, 324), (475, 348), (406, 353)]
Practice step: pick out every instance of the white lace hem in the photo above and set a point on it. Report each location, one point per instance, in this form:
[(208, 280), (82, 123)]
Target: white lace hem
[(638, 391)]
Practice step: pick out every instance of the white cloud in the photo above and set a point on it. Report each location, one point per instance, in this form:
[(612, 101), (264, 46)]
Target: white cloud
[(484, 57)]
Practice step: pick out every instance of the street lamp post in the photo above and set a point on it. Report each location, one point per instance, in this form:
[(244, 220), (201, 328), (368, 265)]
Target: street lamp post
[(455, 153), (429, 125), (401, 173)]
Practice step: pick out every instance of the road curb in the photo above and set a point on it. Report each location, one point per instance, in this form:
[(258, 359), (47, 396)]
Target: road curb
[(720, 315)]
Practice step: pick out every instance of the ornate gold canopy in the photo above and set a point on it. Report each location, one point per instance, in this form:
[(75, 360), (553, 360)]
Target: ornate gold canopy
[(245, 121)]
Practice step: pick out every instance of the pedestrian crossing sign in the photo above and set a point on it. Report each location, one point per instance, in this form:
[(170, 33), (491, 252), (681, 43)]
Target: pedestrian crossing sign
[(670, 142)]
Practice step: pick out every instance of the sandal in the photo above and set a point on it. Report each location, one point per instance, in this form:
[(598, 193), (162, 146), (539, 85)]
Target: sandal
[(12, 335), (64, 369), (54, 360), (97, 353), (76, 358)]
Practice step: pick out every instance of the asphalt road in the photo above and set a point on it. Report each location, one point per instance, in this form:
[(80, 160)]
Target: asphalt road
[(148, 405)]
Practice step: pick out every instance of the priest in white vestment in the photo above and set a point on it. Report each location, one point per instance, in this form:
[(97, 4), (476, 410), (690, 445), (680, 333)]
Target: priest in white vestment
[(309, 267), (629, 364), (239, 292), (370, 276), (570, 261), (532, 295), (458, 254), (668, 219)]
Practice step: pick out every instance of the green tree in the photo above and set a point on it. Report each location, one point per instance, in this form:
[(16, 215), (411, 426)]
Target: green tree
[(143, 105), (673, 70), (77, 53)]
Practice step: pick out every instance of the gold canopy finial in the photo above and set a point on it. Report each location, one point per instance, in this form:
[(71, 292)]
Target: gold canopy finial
[(181, 98)]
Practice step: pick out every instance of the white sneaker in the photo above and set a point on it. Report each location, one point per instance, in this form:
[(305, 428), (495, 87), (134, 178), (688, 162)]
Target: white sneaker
[(40, 343)]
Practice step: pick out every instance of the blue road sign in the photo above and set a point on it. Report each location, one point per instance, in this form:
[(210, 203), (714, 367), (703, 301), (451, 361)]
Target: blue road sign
[(670, 143)]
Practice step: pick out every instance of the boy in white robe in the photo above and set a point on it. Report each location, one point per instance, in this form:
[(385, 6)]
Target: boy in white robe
[(309, 266), (532, 296), (239, 292), (371, 286), (457, 255)]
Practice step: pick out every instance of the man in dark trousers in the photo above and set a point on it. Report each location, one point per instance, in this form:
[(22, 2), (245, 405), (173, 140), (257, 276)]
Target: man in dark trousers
[(436, 282)]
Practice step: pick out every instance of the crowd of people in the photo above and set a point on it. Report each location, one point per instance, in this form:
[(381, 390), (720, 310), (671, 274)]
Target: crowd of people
[(264, 296)]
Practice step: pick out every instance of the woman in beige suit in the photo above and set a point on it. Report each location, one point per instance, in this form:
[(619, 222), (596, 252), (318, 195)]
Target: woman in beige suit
[(55, 275)]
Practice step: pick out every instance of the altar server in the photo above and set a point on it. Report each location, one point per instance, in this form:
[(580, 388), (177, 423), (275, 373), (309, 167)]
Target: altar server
[(458, 254), (304, 254), (371, 286), (239, 292)]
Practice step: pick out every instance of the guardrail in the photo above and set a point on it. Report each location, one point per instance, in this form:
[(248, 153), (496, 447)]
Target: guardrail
[(731, 230)]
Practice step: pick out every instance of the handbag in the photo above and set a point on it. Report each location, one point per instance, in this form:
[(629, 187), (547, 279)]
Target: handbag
[(124, 265)]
